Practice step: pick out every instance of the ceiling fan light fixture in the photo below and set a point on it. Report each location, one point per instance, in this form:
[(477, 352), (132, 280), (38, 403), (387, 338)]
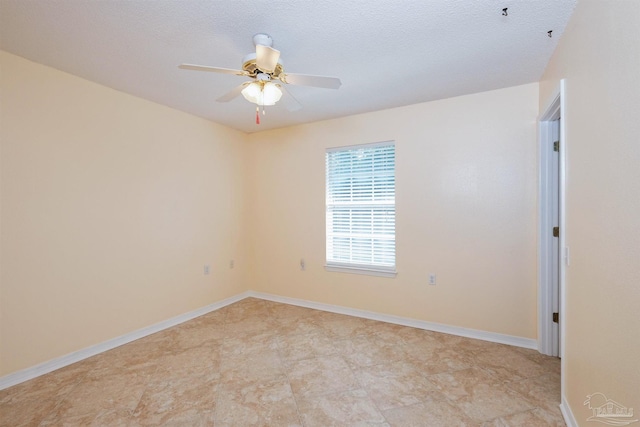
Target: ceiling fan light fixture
[(263, 93)]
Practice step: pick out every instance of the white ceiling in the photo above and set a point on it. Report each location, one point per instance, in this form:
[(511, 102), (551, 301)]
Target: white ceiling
[(387, 53)]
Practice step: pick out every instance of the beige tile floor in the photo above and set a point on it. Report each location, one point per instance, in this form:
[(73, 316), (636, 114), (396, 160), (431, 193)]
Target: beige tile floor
[(260, 363)]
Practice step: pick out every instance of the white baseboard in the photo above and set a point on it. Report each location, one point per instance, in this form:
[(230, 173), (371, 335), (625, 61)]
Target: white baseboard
[(76, 356), (404, 321), (569, 419)]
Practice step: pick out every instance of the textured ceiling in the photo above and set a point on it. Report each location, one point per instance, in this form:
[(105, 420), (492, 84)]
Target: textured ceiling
[(387, 53)]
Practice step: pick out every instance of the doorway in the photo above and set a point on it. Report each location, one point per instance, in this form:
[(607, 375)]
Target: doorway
[(552, 251)]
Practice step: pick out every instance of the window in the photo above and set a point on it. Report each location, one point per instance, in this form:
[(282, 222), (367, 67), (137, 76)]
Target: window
[(361, 210)]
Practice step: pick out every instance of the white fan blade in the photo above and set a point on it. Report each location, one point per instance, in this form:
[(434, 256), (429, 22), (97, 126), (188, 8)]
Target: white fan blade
[(266, 58), (288, 100), (315, 81), (214, 69), (233, 93)]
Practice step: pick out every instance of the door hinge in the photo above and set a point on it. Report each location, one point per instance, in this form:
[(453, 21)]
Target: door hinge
[(556, 318), (556, 146), (556, 231)]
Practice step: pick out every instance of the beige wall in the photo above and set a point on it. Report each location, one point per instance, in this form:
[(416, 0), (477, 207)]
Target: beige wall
[(111, 206), (466, 211), (599, 55)]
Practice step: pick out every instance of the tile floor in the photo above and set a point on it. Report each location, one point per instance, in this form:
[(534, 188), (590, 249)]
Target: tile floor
[(260, 363)]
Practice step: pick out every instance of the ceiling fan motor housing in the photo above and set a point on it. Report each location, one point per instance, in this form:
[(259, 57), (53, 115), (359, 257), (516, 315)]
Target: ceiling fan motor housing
[(249, 61), (249, 65)]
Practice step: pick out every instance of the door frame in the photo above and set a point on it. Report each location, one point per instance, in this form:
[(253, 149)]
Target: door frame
[(555, 110)]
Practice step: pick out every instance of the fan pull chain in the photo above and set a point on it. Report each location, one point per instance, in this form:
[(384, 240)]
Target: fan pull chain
[(257, 115)]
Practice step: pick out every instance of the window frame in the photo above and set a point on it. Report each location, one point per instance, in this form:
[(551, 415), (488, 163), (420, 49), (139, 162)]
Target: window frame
[(358, 268)]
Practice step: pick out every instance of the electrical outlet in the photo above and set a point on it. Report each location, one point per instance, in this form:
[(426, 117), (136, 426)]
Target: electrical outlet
[(302, 264), (207, 269), (432, 279)]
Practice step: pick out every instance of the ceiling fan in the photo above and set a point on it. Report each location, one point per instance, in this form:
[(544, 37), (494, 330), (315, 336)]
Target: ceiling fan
[(268, 78)]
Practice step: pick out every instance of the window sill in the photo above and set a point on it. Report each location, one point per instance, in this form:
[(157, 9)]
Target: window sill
[(360, 270)]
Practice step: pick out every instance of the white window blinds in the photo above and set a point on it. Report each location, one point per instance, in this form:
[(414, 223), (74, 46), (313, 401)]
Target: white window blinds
[(361, 213)]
